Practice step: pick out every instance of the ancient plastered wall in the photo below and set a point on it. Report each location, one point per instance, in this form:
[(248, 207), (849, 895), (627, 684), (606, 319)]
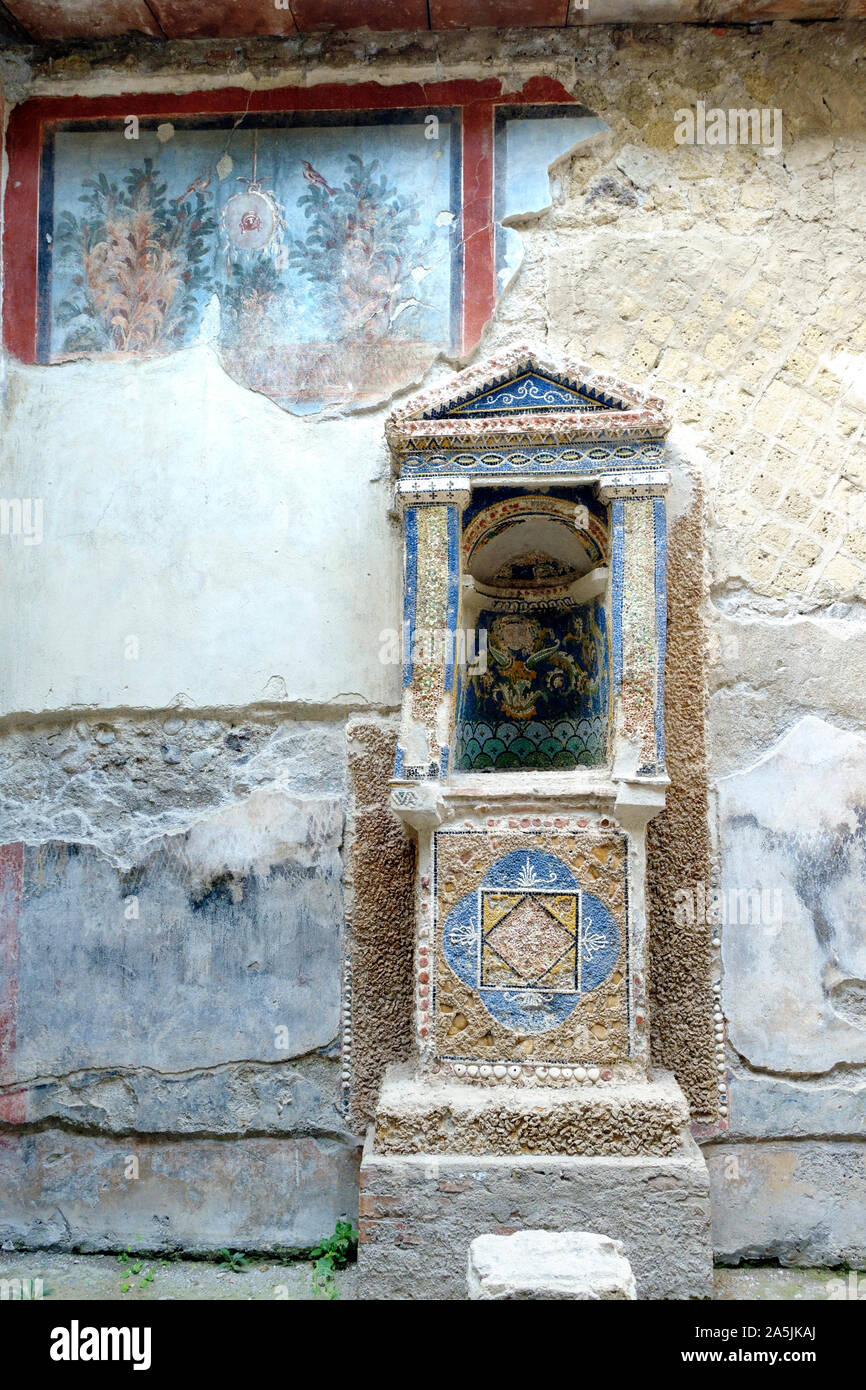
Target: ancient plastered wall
[(172, 926), (728, 280)]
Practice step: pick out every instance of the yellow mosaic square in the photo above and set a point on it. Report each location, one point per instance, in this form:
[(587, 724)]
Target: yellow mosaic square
[(529, 940)]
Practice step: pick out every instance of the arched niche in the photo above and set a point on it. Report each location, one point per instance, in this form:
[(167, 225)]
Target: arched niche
[(526, 425), (534, 591)]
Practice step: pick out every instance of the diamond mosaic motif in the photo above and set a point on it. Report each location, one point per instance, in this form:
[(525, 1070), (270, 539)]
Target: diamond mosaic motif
[(527, 938)]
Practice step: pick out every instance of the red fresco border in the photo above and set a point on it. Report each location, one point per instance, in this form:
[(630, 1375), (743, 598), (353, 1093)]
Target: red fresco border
[(477, 98)]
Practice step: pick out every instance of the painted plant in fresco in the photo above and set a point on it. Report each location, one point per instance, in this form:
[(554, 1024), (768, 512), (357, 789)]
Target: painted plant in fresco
[(360, 250), (542, 701), (139, 259)]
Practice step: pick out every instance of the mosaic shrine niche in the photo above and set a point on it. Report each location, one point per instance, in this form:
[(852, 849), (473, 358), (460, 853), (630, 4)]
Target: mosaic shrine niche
[(530, 758), (536, 695), (532, 494)]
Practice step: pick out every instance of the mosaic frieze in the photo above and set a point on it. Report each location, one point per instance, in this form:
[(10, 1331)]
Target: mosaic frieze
[(531, 947), (522, 454)]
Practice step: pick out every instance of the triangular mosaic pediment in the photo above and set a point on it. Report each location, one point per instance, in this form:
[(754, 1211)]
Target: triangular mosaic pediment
[(530, 392), (525, 394)]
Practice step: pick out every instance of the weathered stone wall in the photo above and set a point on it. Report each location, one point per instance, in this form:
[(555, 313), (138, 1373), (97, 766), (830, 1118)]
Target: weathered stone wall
[(173, 923), (250, 554)]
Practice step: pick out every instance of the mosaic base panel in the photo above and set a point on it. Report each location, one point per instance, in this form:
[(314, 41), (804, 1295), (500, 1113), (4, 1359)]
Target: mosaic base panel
[(531, 947)]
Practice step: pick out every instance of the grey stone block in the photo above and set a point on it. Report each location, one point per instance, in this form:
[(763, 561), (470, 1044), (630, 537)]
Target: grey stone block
[(298, 1097), (232, 954), (68, 1191), (419, 1215), (799, 1203), (779, 1107)]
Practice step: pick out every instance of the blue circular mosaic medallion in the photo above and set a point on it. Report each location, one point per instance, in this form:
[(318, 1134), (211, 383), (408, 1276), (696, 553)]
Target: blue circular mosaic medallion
[(530, 941)]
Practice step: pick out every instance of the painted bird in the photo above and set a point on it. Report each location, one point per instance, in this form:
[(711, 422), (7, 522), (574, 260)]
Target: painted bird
[(315, 178), (199, 185)]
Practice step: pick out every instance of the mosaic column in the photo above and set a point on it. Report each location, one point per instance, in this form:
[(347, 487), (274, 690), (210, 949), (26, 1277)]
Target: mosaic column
[(638, 525), (431, 520)]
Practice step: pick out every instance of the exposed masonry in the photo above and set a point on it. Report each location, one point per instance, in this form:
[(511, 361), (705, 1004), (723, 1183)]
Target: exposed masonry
[(119, 783)]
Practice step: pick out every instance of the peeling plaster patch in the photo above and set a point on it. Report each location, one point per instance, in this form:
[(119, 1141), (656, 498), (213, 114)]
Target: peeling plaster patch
[(532, 146), (794, 825), (642, 167), (683, 460), (209, 327), (257, 836), (527, 150), (218, 946), (850, 368), (798, 1203), (768, 670)]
